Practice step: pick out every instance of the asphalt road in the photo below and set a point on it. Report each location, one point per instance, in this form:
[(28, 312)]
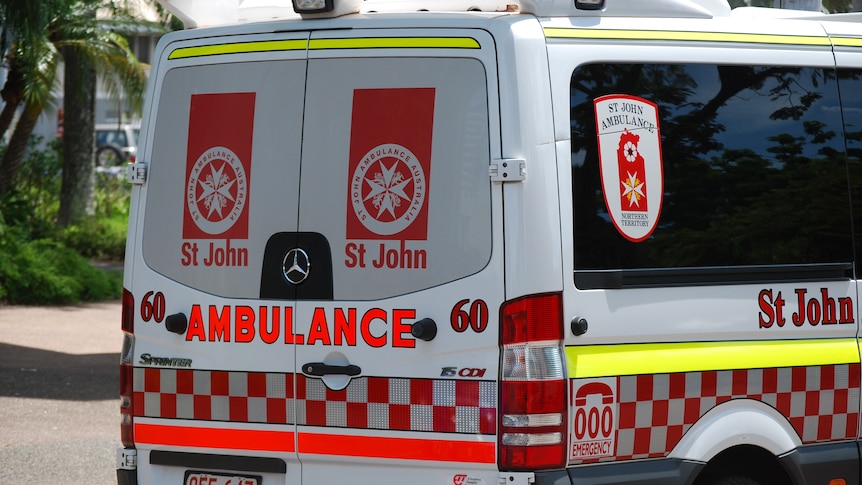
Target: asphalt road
[(59, 385)]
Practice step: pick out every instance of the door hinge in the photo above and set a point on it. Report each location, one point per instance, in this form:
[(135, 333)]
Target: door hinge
[(508, 170), (136, 173), (525, 478), (127, 459)]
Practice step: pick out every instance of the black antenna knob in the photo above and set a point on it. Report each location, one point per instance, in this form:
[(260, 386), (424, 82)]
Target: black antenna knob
[(425, 329), (579, 326), (177, 323)]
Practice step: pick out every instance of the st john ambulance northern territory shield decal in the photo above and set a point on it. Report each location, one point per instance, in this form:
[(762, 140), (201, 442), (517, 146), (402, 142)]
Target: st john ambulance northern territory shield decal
[(630, 163)]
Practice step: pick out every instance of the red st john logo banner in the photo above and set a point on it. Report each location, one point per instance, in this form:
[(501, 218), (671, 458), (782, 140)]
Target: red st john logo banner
[(218, 166), (391, 133)]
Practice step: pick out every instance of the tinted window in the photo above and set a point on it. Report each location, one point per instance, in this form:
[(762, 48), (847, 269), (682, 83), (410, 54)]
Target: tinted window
[(438, 111), (214, 240), (850, 84), (753, 164)]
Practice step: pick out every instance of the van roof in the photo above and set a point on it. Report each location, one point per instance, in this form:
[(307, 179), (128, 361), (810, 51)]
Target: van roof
[(223, 12)]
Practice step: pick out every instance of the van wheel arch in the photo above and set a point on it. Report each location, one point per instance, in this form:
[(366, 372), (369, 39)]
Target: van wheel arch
[(740, 441), (739, 422)]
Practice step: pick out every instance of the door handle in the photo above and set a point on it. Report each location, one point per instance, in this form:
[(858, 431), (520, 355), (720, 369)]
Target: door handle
[(319, 369)]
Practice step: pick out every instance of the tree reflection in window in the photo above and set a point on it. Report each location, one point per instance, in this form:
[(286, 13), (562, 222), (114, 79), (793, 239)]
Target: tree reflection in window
[(753, 160), (850, 85)]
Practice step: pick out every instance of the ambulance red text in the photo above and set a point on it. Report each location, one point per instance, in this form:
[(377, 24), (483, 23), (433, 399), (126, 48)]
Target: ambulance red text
[(274, 324), (819, 308)]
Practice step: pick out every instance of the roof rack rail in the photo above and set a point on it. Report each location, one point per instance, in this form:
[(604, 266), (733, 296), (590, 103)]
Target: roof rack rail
[(559, 8), (781, 13), (381, 6), (774, 13), (630, 8)]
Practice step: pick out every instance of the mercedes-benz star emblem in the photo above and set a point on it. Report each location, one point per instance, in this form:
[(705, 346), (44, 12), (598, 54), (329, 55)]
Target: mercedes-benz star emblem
[(296, 266)]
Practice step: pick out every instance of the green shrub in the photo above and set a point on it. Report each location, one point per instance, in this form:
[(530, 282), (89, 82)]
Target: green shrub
[(111, 195), (99, 238), (46, 272), (40, 264), (34, 199)]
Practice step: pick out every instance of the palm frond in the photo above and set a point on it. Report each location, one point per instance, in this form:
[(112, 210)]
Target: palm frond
[(35, 33)]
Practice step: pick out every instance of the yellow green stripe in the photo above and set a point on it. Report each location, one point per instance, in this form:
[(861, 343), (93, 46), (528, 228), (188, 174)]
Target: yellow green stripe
[(239, 48), (847, 41), (396, 43), (320, 44), (661, 358), (676, 35)]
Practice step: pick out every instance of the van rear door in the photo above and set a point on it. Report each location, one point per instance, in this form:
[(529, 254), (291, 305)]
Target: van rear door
[(399, 222), (215, 399)]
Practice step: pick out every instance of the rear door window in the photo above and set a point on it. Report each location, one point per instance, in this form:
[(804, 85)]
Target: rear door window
[(226, 161), (395, 172)]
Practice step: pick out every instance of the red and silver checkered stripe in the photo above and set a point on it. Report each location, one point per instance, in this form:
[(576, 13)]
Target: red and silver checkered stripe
[(439, 405), (820, 402)]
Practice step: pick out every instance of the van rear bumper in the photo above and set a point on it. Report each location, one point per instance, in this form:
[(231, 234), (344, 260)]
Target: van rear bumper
[(640, 472), (127, 477)]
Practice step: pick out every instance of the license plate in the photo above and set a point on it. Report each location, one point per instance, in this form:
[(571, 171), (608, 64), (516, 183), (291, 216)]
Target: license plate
[(195, 477)]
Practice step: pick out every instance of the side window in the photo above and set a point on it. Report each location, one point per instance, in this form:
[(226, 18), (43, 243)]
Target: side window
[(753, 175), (850, 84)]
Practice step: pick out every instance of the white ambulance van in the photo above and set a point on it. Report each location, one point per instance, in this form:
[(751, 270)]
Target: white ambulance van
[(482, 242)]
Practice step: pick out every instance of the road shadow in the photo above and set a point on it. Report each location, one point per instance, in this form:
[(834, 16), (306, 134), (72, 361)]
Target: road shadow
[(43, 374)]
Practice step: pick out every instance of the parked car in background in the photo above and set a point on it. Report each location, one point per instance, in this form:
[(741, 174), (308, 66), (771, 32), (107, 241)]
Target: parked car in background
[(116, 143)]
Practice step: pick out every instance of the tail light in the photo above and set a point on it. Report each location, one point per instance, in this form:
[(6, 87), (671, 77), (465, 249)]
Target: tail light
[(533, 399), (127, 402)]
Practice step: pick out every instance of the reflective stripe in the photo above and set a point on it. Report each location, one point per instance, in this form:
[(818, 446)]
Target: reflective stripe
[(396, 43), (570, 33), (661, 358), (239, 48), (222, 438), (847, 41), (317, 443), (398, 448), (318, 44)]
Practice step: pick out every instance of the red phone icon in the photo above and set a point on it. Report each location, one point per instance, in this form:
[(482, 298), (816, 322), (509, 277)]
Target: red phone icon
[(594, 388)]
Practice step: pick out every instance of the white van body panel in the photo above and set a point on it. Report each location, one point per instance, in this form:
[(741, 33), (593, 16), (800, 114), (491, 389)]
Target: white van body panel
[(716, 316), (698, 312), (389, 348), (528, 135)]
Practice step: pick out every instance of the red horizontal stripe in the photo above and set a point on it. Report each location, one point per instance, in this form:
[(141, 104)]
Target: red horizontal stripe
[(317, 443), (229, 439), (398, 448)]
